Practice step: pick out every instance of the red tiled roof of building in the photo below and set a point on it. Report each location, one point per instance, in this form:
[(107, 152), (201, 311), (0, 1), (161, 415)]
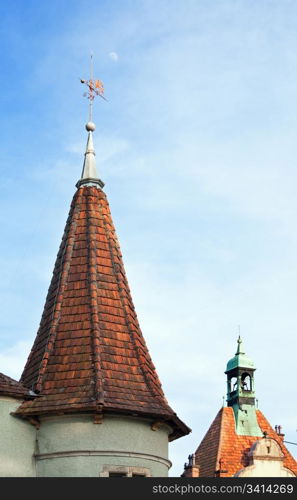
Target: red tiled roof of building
[(223, 453), (10, 387), (89, 353)]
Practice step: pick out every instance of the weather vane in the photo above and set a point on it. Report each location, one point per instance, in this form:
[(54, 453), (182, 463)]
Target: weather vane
[(95, 87)]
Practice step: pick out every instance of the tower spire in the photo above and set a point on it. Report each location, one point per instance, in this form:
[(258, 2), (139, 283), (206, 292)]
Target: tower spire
[(240, 349), (89, 172)]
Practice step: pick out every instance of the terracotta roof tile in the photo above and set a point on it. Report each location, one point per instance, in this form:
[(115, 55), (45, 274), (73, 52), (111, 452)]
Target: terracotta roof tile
[(221, 443), (10, 387), (89, 333)]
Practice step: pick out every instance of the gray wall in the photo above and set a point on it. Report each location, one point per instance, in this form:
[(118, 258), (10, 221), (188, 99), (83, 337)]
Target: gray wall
[(17, 441), (75, 446)]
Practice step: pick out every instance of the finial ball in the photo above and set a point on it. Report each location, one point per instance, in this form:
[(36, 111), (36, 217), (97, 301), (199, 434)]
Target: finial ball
[(90, 126)]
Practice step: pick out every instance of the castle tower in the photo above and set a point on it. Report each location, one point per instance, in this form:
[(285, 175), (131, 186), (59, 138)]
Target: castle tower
[(96, 404), (240, 441)]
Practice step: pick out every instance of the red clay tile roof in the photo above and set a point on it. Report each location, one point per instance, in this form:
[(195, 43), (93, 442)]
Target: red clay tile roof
[(89, 352), (221, 443), (10, 387)]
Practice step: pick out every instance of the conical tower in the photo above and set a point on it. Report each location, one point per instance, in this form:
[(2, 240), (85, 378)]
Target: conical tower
[(89, 363)]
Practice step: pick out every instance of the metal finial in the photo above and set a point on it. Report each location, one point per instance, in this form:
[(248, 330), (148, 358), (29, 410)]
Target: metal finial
[(239, 343), (95, 87), (89, 174)]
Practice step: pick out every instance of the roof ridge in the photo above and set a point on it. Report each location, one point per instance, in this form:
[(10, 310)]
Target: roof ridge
[(93, 290), (222, 411)]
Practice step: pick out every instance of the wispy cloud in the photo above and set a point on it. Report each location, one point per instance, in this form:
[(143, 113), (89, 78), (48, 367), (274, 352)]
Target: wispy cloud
[(197, 147)]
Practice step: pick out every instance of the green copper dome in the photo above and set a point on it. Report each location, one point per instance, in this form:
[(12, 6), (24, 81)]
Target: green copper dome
[(240, 359)]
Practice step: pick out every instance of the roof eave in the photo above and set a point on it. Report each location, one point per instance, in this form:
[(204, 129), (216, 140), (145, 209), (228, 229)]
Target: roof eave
[(179, 428)]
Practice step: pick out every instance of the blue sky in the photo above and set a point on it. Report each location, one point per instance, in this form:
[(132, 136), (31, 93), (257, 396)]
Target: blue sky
[(197, 147)]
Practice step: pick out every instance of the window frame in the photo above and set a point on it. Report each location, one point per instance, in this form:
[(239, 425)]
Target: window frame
[(125, 471)]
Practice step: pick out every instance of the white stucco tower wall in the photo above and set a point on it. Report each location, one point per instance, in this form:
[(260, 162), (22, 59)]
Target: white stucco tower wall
[(69, 446), (17, 441)]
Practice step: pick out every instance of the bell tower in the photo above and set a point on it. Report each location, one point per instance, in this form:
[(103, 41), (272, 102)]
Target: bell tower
[(241, 392)]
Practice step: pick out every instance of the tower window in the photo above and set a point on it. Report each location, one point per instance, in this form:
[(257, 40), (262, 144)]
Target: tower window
[(124, 471), (246, 382), (233, 384)]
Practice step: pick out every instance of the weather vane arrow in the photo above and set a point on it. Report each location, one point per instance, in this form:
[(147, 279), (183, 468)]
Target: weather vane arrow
[(95, 87)]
